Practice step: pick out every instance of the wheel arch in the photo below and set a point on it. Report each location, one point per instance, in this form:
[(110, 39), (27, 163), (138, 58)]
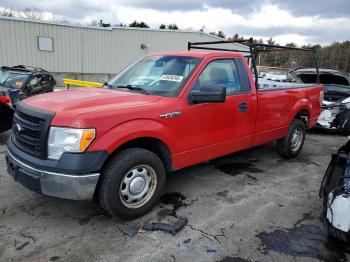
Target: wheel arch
[(152, 144), (155, 145), (302, 110), (303, 115)]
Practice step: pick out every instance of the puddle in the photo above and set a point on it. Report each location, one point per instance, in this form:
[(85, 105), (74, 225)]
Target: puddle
[(176, 200), (234, 169), (305, 241)]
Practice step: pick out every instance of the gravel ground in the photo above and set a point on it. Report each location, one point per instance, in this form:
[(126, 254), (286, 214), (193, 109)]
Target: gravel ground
[(249, 206)]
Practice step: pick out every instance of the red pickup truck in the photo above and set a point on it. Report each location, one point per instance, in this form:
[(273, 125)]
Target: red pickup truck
[(165, 112)]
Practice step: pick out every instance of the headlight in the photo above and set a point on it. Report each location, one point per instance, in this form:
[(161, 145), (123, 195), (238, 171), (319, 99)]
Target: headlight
[(72, 140)]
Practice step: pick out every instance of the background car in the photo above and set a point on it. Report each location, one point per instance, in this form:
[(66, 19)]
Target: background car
[(17, 83), (335, 191), (336, 104), (6, 112)]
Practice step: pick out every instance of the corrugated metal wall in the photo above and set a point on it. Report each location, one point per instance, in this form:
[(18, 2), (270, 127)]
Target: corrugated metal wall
[(83, 49)]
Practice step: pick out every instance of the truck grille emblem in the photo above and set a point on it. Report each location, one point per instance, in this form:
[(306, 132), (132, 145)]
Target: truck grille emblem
[(19, 129)]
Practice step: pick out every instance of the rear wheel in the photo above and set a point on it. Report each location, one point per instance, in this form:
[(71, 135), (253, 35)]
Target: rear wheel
[(291, 145), (132, 183)]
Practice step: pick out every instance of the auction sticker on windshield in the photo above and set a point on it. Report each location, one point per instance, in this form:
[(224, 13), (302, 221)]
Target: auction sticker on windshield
[(174, 78)]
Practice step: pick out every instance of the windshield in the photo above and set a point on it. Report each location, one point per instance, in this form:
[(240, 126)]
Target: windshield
[(158, 75), (12, 79)]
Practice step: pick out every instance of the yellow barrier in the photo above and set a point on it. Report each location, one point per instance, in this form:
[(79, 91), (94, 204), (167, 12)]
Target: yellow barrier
[(72, 82)]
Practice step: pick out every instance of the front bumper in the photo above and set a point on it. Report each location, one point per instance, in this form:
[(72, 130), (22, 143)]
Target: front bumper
[(69, 186)]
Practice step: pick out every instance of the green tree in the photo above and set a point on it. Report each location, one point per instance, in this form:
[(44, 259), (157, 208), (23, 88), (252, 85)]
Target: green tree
[(139, 24), (220, 34), (173, 27)]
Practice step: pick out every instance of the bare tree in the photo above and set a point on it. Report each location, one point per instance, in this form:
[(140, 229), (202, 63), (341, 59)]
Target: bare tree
[(59, 20), (94, 23), (32, 14), (7, 12)]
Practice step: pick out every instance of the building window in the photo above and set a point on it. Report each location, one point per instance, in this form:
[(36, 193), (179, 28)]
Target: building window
[(45, 43)]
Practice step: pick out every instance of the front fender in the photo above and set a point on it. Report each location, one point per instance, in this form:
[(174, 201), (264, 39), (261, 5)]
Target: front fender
[(137, 128)]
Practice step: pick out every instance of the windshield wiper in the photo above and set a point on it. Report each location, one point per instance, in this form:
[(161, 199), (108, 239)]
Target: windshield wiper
[(135, 88)]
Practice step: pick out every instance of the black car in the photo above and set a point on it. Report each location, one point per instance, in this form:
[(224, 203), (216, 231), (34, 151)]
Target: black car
[(335, 191), (17, 83)]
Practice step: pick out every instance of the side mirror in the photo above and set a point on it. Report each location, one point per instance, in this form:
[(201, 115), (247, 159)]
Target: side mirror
[(208, 94)]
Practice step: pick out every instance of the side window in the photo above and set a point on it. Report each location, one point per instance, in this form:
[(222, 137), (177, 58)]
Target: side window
[(51, 81), (35, 84), (243, 76), (47, 81), (221, 73)]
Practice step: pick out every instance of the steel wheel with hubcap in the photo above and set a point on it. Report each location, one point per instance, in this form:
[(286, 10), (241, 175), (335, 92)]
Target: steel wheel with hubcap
[(292, 143), (297, 139), (138, 186), (132, 183)]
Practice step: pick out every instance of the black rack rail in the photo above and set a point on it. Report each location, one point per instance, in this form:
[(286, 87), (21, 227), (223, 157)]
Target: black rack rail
[(254, 50)]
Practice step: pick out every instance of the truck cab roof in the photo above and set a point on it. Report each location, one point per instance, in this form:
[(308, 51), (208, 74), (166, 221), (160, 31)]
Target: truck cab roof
[(200, 54)]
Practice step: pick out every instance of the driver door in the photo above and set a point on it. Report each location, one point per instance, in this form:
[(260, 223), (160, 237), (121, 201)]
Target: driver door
[(215, 129)]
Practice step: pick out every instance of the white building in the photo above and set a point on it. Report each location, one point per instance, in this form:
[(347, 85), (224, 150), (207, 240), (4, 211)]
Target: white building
[(88, 53)]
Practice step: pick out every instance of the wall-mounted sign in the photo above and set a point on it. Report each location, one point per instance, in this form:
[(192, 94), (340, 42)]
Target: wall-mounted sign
[(45, 43)]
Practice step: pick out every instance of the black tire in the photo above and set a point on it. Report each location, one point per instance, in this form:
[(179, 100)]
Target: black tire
[(284, 145), (336, 233), (114, 175)]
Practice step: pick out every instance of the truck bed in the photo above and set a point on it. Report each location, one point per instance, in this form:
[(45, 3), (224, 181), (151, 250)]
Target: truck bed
[(271, 85)]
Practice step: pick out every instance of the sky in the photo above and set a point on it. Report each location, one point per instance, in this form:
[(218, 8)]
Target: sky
[(298, 21)]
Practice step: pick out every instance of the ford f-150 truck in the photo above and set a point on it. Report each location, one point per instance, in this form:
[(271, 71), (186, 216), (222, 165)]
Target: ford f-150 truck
[(165, 112)]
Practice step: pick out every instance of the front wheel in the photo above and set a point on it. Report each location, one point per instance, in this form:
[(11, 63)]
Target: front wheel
[(132, 183), (291, 145)]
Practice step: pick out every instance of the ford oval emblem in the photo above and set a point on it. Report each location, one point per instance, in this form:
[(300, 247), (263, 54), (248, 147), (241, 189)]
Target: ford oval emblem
[(18, 128)]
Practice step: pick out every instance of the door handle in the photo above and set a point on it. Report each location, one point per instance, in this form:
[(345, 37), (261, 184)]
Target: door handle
[(243, 107)]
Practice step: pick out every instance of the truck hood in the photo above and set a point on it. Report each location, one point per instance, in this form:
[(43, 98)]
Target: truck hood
[(81, 101)]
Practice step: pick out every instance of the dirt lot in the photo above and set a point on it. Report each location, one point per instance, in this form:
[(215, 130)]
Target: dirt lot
[(251, 206)]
